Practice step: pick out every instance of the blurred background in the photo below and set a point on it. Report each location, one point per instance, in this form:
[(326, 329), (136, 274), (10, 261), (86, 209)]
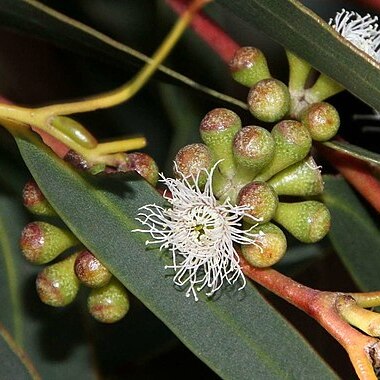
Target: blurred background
[(34, 71)]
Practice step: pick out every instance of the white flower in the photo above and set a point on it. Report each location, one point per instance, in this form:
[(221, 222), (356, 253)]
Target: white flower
[(199, 232), (361, 31)]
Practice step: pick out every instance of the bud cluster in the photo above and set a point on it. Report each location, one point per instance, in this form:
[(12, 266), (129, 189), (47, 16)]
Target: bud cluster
[(270, 172), (45, 242), (270, 100)]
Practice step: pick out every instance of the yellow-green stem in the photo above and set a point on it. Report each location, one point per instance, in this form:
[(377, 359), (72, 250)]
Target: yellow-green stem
[(299, 71), (323, 88)]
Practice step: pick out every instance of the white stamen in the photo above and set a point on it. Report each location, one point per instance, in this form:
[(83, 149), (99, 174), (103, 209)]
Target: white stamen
[(361, 31), (200, 234)]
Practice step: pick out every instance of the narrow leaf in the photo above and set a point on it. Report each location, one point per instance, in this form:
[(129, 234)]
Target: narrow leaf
[(300, 30), (354, 151), (237, 334), (353, 234)]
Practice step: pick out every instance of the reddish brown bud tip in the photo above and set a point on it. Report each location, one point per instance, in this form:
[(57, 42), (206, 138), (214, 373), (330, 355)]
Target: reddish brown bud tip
[(218, 129), (42, 242), (144, 165), (248, 66), (90, 271), (219, 120), (192, 161), (262, 200), (35, 201), (322, 120), (253, 148), (269, 100)]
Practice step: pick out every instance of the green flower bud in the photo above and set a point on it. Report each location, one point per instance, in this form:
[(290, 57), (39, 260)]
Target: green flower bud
[(322, 121), (90, 271), (35, 201), (74, 131), (301, 179), (218, 129), (292, 144), (269, 100), (248, 66), (253, 149), (192, 160), (261, 198), (307, 221), (110, 303), (144, 165), (42, 242), (57, 285), (270, 248)]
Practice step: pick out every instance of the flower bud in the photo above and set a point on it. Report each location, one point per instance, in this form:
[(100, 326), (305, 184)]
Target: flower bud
[(90, 271), (248, 66), (144, 165), (301, 179), (57, 285), (292, 144), (192, 161), (42, 242), (76, 160), (253, 148), (35, 201), (218, 129), (270, 248), (307, 221), (322, 121), (262, 200), (110, 303), (269, 100), (75, 131)]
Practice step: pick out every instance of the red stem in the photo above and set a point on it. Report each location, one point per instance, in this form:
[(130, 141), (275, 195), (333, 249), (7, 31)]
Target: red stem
[(209, 31), (322, 307)]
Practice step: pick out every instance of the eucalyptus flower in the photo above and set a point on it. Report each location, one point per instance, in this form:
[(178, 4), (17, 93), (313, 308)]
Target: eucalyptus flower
[(361, 31), (200, 232)]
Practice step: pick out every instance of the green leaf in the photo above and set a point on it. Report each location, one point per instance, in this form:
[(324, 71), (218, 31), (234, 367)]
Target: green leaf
[(237, 334), (301, 31), (39, 20), (14, 362), (354, 151), (353, 234)]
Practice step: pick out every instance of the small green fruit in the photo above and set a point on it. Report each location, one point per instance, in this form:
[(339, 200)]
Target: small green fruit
[(269, 100), (292, 144), (249, 66), (307, 221), (322, 120), (192, 161), (261, 198), (90, 271), (218, 129), (35, 201), (301, 179), (253, 149), (110, 303), (270, 248), (42, 242), (144, 165), (57, 285)]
